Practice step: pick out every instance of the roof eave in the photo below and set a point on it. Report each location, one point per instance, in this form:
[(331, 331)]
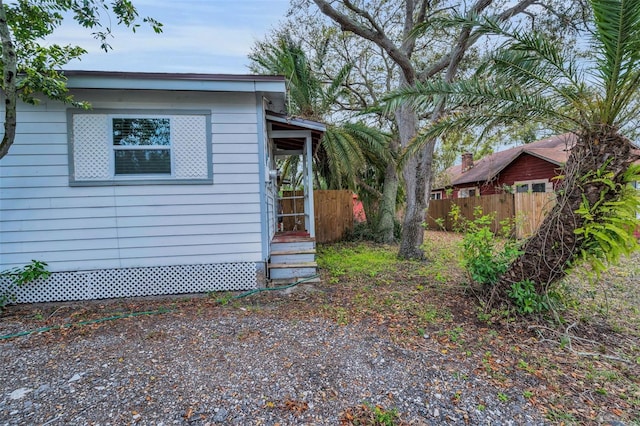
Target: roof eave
[(174, 81), (300, 122), (542, 157)]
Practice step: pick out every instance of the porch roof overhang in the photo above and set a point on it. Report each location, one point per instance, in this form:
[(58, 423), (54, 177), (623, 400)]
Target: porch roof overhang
[(290, 133)]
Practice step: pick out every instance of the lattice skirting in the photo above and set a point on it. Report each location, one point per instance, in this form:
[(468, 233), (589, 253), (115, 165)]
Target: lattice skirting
[(132, 282)]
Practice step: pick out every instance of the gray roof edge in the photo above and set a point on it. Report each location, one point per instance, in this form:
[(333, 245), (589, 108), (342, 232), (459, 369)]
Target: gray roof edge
[(172, 76), (307, 124)]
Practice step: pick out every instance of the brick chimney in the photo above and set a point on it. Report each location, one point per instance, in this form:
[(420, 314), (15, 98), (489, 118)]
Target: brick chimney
[(467, 161)]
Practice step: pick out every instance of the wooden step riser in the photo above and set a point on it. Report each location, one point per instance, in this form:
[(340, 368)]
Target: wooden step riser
[(292, 273), (292, 246), (293, 258)]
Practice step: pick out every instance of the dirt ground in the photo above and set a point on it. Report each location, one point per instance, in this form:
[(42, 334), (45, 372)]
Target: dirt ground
[(578, 365)]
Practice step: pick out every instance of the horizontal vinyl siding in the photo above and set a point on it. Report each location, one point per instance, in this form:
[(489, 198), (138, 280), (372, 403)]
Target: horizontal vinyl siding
[(102, 227)]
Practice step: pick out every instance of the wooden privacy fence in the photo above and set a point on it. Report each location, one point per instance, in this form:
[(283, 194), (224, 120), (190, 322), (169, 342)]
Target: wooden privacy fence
[(528, 210), (333, 213)]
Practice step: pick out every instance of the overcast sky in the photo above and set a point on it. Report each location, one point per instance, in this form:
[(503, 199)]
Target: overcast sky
[(205, 36)]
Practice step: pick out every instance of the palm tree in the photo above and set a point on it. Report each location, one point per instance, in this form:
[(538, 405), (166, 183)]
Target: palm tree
[(345, 148), (532, 79)]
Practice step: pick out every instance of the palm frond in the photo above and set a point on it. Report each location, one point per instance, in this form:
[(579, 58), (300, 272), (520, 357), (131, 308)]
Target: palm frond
[(617, 47)]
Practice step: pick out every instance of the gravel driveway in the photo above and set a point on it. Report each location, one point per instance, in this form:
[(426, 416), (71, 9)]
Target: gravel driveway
[(240, 368)]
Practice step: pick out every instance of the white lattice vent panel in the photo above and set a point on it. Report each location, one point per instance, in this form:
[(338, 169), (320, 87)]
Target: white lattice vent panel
[(189, 136), (91, 149), (132, 282)]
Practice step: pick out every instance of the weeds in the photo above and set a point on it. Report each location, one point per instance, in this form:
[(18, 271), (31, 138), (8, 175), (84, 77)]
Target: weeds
[(370, 415), (18, 277)]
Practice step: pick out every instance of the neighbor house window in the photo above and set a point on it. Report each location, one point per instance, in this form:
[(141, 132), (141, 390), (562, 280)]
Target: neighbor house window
[(436, 195), (468, 192), (533, 186), (142, 146), (110, 147)]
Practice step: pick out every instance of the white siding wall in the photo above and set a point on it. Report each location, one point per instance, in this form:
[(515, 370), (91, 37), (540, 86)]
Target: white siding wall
[(103, 227)]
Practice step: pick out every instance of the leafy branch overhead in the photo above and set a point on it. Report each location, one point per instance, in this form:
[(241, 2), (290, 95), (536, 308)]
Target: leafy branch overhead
[(31, 67)]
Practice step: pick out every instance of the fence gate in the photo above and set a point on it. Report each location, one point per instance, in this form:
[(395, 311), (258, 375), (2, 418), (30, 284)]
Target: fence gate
[(531, 209)]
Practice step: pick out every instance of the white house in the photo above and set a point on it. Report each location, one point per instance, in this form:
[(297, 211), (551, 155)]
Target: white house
[(167, 185)]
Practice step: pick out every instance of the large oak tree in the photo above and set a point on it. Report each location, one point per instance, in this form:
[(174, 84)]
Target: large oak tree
[(419, 20)]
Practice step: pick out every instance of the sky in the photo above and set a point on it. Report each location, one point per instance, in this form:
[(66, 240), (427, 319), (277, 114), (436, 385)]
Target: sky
[(199, 36)]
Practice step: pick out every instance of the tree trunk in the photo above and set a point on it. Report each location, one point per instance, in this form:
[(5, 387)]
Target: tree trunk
[(414, 177), (9, 83), (550, 252), (387, 212)]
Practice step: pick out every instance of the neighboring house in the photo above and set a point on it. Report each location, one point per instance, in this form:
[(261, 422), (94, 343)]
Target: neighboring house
[(167, 185), (527, 168)]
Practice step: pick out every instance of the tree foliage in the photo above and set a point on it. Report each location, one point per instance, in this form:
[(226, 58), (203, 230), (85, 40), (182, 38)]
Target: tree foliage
[(403, 31), (347, 148), (532, 78), (31, 67)]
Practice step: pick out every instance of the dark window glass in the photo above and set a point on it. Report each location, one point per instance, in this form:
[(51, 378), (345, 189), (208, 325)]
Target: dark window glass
[(539, 187), (134, 140), (522, 188), (142, 161)]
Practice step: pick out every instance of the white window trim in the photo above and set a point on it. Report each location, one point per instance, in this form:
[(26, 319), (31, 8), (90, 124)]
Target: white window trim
[(548, 186), (147, 179), (464, 192), (436, 195)]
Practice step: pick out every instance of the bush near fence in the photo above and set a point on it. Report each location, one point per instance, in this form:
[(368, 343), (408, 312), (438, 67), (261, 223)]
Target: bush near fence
[(527, 209)]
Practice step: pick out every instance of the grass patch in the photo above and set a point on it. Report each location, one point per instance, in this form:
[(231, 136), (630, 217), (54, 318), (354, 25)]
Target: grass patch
[(356, 259)]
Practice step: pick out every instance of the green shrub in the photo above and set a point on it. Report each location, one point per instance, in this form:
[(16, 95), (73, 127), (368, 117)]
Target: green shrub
[(365, 231), (526, 299), (361, 231), (609, 225), (484, 256), (17, 277)]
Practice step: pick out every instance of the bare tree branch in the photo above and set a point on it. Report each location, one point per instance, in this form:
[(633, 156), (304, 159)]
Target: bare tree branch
[(377, 37), (444, 62)]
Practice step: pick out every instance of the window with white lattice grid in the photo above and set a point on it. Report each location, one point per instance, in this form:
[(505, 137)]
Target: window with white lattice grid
[(140, 147)]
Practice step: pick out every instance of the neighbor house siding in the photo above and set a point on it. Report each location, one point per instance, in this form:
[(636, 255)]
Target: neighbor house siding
[(524, 168), (527, 167), (105, 227)]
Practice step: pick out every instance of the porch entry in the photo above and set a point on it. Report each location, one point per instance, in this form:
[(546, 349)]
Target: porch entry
[(292, 234), (295, 140)]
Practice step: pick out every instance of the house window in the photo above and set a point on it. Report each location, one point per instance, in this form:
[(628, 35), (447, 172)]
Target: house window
[(533, 186), (110, 147), (468, 192), (142, 146), (436, 195)]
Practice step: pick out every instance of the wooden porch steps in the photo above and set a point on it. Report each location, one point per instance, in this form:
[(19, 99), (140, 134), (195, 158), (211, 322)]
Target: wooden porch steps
[(292, 252), (292, 257), (292, 265)]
